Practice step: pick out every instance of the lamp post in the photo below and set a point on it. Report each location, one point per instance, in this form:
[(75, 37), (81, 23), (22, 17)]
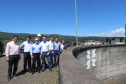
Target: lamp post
[(76, 23), (125, 33)]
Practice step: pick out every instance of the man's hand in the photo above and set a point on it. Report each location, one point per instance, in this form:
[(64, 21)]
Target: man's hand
[(48, 54), (40, 56), (7, 59), (32, 57)]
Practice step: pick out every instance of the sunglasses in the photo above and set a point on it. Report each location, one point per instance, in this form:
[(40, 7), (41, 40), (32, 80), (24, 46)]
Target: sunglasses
[(36, 40)]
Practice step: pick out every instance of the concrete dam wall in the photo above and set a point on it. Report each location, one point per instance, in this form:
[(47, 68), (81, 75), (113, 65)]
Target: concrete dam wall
[(105, 61), (101, 64)]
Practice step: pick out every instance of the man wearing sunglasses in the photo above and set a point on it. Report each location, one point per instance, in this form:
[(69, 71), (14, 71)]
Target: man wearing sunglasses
[(36, 55)]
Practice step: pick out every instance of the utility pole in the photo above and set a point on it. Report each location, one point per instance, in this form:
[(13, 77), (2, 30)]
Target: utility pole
[(125, 33), (76, 23)]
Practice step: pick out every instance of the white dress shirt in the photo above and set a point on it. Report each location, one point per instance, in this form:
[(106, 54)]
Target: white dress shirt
[(45, 46), (62, 46), (51, 45), (27, 46), (13, 49)]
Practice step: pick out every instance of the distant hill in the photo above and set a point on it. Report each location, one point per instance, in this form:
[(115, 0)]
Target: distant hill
[(6, 37)]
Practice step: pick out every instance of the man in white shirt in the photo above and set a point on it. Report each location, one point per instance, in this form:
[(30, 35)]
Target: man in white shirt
[(51, 46), (63, 46), (45, 51), (27, 57)]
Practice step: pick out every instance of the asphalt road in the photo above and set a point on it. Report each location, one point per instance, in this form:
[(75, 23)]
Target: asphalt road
[(46, 77)]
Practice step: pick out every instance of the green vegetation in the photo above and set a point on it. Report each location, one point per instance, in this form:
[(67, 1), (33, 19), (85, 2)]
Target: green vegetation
[(6, 37)]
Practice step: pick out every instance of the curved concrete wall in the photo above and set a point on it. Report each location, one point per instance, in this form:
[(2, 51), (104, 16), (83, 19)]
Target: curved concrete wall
[(73, 72), (103, 61)]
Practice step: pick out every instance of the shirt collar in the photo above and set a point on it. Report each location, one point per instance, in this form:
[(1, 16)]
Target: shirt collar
[(51, 41), (44, 42), (28, 42), (36, 44), (14, 42)]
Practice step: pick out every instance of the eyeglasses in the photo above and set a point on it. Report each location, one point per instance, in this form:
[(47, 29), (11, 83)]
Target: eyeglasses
[(36, 40), (15, 38)]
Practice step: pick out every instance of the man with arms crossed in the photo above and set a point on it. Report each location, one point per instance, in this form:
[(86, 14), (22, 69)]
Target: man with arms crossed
[(13, 55), (27, 57)]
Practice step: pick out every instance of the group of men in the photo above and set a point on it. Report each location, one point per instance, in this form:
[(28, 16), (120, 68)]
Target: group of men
[(41, 49)]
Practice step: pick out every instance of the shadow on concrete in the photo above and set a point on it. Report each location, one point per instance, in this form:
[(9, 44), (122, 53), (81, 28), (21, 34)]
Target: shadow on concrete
[(21, 73), (2, 56)]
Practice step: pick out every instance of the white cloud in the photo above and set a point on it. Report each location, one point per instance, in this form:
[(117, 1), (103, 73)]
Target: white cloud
[(114, 33), (90, 34)]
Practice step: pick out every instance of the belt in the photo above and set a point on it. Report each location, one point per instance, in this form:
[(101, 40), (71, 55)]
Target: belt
[(56, 50), (45, 52), (26, 52), (14, 55)]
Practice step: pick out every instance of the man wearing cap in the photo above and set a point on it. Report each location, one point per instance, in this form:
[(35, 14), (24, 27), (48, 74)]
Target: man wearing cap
[(13, 55), (27, 57), (39, 38)]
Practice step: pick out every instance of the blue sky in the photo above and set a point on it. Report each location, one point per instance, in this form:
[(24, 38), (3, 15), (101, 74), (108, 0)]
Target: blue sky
[(58, 16)]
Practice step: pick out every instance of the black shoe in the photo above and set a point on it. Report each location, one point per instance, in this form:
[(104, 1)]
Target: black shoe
[(32, 73), (43, 70), (15, 76), (38, 71), (29, 71), (50, 70)]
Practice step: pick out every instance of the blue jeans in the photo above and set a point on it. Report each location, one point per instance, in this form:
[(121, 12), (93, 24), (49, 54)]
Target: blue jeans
[(57, 53), (43, 61), (51, 56)]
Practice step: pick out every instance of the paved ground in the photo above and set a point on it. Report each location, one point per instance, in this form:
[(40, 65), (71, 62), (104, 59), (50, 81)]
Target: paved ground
[(116, 80), (46, 77)]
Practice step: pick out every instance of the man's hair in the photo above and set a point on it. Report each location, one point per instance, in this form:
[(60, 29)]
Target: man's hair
[(51, 36), (29, 37), (44, 36), (15, 36), (56, 37), (36, 37)]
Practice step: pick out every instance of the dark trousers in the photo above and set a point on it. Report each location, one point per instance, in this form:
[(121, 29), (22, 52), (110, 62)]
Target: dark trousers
[(56, 53), (13, 60), (27, 59), (36, 58), (44, 54)]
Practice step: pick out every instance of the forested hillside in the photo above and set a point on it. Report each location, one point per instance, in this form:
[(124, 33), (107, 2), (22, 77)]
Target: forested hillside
[(6, 37)]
